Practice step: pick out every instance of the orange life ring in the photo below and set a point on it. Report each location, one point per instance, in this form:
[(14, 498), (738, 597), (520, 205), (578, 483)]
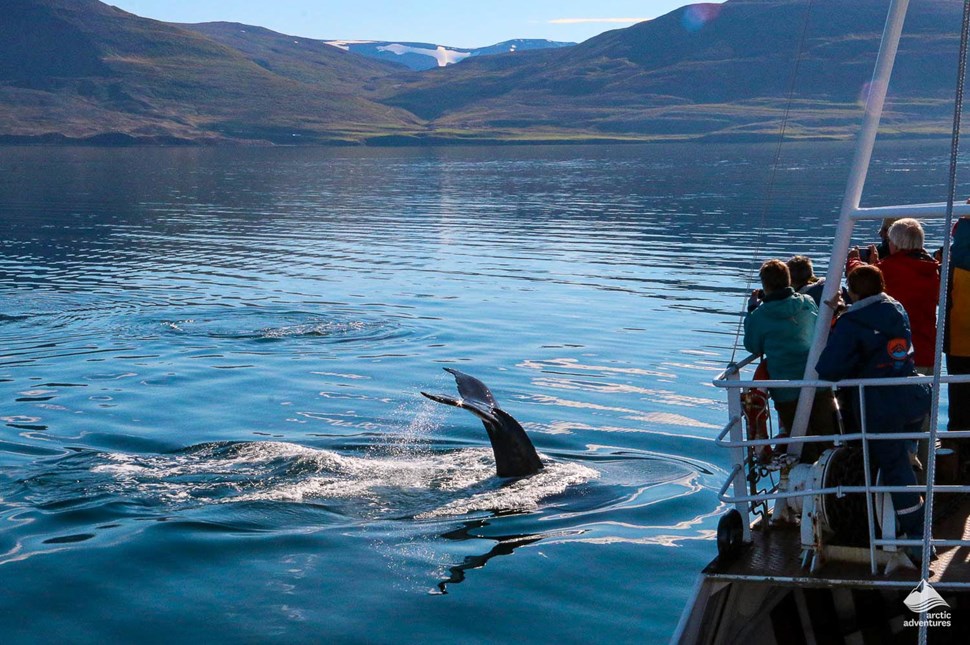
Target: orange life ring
[(754, 404)]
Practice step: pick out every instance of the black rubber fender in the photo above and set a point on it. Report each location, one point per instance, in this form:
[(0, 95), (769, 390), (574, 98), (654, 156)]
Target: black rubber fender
[(730, 535)]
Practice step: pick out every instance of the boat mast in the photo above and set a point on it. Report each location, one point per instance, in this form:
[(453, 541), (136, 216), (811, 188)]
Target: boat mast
[(875, 99)]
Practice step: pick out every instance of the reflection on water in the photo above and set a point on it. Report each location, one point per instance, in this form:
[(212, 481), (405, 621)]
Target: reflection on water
[(210, 363), (504, 545)]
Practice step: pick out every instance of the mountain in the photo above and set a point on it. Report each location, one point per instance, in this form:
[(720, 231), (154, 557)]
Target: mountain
[(80, 70), (423, 56), (703, 70), (300, 59)]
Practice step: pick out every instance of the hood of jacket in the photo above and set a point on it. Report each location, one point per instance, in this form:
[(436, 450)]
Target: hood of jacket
[(879, 313), (783, 304), (870, 340)]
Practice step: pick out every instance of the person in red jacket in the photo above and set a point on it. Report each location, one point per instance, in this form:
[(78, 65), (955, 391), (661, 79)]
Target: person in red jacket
[(913, 278)]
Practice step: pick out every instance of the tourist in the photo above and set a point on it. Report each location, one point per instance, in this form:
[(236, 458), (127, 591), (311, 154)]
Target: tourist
[(872, 339), (804, 280), (883, 250), (912, 277), (956, 331), (779, 325)]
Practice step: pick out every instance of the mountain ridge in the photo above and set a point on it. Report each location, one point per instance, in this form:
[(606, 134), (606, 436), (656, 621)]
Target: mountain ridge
[(707, 71), (83, 71)]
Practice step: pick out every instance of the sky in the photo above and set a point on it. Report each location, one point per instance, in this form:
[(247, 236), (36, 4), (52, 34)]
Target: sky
[(455, 23)]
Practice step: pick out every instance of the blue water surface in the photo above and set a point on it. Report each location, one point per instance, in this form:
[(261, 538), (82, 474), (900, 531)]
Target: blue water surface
[(210, 364)]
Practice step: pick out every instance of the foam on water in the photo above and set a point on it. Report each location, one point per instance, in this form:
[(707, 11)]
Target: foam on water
[(261, 325), (422, 484)]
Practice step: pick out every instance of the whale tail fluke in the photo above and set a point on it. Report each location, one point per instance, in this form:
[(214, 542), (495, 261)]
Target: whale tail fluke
[(471, 389), (515, 456), (441, 398)]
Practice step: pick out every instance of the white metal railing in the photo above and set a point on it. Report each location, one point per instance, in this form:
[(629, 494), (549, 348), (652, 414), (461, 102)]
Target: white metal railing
[(916, 211), (741, 448)]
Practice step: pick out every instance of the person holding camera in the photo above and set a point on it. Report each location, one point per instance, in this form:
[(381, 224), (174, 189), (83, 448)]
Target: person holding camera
[(779, 325)]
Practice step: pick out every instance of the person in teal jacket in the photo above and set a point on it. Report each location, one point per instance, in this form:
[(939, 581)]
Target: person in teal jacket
[(779, 325)]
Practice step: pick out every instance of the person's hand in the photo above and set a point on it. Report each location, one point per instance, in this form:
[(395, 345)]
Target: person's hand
[(754, 300), (853, 253), (836, 301), (873, 254)]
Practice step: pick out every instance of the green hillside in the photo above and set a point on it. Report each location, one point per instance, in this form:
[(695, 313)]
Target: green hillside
[(80, 69), (301, 59)]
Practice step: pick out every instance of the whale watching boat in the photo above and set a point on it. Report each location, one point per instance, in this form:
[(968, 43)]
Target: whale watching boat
[(810, 552)]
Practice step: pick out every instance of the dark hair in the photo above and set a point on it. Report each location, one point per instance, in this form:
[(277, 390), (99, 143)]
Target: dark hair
[(886, 225), (866, 280), (800, 268), (774, 275)]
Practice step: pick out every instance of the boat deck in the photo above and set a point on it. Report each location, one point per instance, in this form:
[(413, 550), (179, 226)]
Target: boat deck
[(776, 555)]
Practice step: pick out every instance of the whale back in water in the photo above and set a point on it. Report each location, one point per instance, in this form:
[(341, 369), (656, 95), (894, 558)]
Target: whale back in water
[(515, 456)]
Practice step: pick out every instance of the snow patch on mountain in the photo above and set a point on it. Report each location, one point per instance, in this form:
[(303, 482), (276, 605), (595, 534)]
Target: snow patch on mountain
[(442, 54), (345, 44), (422, 56)]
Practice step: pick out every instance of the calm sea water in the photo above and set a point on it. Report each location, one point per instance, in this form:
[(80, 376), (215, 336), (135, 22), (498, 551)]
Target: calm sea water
[(210, 366)]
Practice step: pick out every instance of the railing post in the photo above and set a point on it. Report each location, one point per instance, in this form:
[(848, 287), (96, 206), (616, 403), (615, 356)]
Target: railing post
[(738, 452), (850, 203), (868, 478)]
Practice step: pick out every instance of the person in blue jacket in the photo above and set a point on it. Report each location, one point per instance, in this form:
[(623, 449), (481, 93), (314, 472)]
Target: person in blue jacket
[(779, 325), (872, 339)]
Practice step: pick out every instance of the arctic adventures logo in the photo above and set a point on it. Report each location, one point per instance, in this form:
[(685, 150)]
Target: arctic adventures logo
[(924, 598)]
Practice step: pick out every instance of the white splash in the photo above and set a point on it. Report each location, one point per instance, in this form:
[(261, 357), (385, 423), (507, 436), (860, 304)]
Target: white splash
[(407, 483), (521, 495)]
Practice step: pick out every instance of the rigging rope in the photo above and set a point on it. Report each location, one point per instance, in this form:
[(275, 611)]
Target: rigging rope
[(769, 190), (944, 275)]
